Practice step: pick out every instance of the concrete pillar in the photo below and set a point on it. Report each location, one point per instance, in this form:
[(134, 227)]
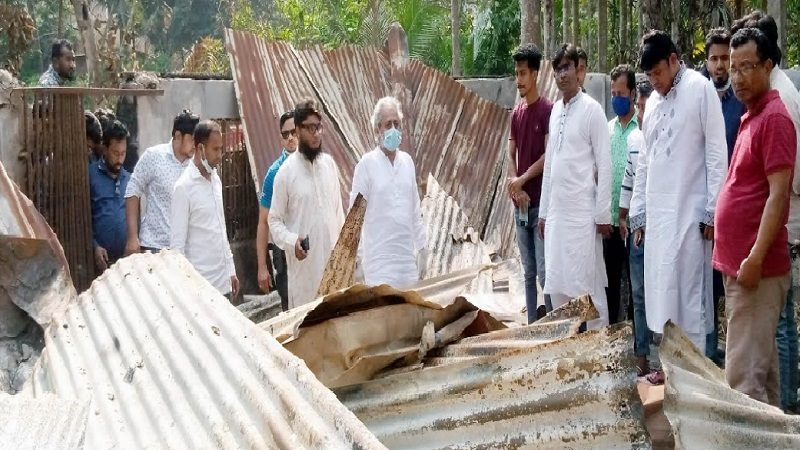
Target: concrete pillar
[(777, 9)]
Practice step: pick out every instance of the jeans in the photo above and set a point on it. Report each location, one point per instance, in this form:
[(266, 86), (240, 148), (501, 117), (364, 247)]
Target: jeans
[(615, 254), (531, 252), (642, 334), (712, 338), (787, 348)]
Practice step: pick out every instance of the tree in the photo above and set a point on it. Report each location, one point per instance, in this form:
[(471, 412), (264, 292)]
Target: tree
[(623, 33), (566, 20), (549, 26), (455, 26), (777, 9), (576, 21), (530, 22), (652, 14), (602, 33)]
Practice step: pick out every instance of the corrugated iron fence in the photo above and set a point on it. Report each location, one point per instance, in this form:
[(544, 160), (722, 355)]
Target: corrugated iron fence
[(238, 195), (57, 181)]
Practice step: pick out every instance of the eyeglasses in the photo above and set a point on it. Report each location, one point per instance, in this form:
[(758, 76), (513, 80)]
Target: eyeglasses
[(563, 69), (312, 127), (744, 69), (285, 134)]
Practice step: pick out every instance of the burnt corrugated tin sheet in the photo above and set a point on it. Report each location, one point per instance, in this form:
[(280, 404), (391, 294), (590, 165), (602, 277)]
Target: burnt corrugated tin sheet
[(43, 423), (576, 393), (170, 363), (705, 412), (450, 132), (341, 267)]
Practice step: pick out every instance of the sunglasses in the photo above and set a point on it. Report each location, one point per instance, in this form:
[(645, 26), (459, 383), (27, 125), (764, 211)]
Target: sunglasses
[(287, 133)]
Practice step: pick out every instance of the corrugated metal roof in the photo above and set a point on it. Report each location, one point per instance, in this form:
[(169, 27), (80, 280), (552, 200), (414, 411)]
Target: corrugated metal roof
[(577, 392), (705, 412), (451, 132), (170, 363), (43, 423)]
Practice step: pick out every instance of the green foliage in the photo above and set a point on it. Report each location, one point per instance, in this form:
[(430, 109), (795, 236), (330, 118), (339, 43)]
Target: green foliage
[(497, 37)]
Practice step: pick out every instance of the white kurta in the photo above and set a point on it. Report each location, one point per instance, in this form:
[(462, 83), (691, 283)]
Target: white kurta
[(393, 230), (676, 188), (306, 200), (576, 197)]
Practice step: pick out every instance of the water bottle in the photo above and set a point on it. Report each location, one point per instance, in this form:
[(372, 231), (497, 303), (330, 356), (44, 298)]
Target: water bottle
[(522, 215)]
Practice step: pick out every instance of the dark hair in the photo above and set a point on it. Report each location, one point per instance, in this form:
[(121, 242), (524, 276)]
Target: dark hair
[(745, 35), (656, 46), (630, 75), (286, 116), (94, 131), (203, 131), (644, 88), (58, 46), (717, 36), (766, 24), (105, 117), (116, 131), (568, 51), (304, 110), (582, 55), (529, 53), (185, 122)]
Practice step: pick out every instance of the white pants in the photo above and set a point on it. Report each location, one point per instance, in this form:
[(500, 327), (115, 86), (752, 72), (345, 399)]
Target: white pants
[(599, 300), (699, 340)]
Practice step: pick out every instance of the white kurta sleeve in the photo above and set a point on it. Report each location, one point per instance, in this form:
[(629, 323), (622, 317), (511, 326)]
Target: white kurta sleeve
[(284, 238), (179, 219), (716, 149), (360, 186), (420, 229), (544, 199), (601, 146)]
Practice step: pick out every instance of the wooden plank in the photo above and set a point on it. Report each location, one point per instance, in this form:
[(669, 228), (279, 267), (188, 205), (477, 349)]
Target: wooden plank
[(94, 92)]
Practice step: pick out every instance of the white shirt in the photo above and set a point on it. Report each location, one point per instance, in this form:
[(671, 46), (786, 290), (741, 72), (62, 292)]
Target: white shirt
[(306, 201), (154, 178), (635, 148), (781, 82), (198, 227), (676, 187), (393, 230), (576, 196)]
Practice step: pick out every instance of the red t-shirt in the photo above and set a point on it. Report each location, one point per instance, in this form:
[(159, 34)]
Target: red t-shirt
[(529, 126), (766, 144)]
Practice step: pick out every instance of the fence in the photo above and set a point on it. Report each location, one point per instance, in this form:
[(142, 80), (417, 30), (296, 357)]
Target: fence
[(238, 195)]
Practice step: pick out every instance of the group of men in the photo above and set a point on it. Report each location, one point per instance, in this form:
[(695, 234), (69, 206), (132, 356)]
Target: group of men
[(703, 171), (302, 210)]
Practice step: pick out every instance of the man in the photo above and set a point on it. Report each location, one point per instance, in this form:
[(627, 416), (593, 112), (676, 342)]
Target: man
[(718, 62), (623, 94), (62, 65), (94, 136), (306, 215), (289, 144), (530, 123), (636, 149), (198, 218), (107, 183), (583, 67), (394, 238), (751, 243), (154, 179), (575, 208), (677, 183), (787, 327)]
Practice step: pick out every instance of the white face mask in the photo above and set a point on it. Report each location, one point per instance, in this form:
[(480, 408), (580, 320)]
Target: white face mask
[(392, 139), (205, 163)]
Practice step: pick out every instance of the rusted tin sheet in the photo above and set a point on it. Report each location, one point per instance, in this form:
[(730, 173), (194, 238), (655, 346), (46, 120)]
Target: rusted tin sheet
[(577, 392), (269, 81), (170, 363), (43, 423), (705, 412)]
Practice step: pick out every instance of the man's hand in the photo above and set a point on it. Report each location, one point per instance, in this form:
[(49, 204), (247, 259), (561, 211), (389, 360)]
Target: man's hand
[(264, 279), (522, 199), (132, 246), (638, 237), (101, 258), (541, 228), (299, 253), (623, 229), (234, 287), (605, 230), (515, 184), (708, 233), (749, 273)]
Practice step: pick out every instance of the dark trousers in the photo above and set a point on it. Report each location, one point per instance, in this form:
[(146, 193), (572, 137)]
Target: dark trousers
[(616, 257), (281, 280)]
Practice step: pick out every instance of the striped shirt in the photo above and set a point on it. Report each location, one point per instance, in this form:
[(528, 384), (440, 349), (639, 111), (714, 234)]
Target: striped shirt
[(635, 145)]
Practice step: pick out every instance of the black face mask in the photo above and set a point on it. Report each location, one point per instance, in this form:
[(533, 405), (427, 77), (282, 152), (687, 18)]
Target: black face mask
[(310, 153)]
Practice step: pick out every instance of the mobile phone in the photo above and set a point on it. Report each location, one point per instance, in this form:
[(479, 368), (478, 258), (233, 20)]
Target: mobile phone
[(304, 244)]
